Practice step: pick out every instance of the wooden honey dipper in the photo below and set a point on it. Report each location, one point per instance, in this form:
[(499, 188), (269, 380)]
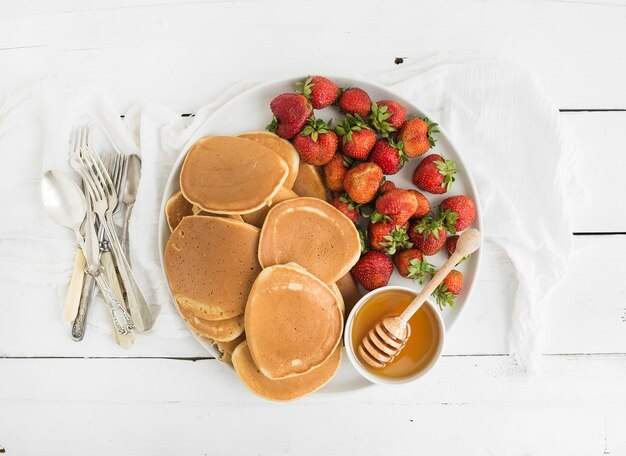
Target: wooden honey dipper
[(388, 337)]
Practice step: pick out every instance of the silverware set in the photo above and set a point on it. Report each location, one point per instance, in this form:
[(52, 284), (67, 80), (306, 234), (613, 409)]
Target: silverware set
[(106, 189)]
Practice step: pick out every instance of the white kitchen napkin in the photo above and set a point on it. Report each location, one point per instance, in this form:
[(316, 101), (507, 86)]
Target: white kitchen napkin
[(521, 155)]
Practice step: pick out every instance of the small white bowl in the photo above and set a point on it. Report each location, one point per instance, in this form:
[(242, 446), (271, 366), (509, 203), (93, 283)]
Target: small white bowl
[(350, 349)]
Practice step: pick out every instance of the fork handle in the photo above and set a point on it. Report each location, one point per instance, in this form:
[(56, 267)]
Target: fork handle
[(121, 320), (123, 340), (124, 239), (72, 298), (86, 296)]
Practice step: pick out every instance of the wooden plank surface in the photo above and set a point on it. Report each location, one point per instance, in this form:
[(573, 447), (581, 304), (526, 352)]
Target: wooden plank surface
[(183, 53), (130, 407)]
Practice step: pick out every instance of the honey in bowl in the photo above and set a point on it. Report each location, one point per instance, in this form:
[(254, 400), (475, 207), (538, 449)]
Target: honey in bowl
[(424, 340)]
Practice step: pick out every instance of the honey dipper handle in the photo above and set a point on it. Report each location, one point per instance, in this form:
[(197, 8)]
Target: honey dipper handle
[(468, 243)]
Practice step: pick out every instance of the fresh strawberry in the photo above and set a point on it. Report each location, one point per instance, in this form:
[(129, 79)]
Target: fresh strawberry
[(357, 139), (362, 182), (417, 136), (373, 270), (386, 186), (451, 245), (435, 174), (398, 205), (387, 116), (319, 90), (451, 248), (335, 172), (412, 265), (355, 101), (423, 205), (389, 155), (428, 234), (344, 206), (449, 289), (460, 212), (291, 112), (316, 143), (388, 237)]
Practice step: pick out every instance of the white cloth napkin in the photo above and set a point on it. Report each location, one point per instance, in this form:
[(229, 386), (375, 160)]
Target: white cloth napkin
[(520, 153)]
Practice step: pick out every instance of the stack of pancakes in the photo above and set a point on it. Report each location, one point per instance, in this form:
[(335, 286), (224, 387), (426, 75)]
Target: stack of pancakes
[(259, 262)]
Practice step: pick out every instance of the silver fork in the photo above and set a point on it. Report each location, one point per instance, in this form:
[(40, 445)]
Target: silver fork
[(94, 268), (104, 201)]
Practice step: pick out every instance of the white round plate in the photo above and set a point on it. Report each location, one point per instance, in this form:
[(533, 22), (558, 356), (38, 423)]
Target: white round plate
[(249, 111)]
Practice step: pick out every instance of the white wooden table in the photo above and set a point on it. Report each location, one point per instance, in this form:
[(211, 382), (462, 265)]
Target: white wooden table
[(167, 397)]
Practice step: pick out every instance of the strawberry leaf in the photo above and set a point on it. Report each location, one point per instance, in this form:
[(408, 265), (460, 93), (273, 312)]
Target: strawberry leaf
[(418, 270), (443, 296), (273, 125), (306, 86), (447, 168)]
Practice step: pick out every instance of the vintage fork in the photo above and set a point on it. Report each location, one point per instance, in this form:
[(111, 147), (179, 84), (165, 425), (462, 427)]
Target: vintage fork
[(94, 268), (105, 200)]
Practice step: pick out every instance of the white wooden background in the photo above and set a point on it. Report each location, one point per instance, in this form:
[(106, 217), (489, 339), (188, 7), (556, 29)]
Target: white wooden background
[(166, 397)]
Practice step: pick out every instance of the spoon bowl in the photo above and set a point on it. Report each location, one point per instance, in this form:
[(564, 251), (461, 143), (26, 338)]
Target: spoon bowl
[(63, 200)]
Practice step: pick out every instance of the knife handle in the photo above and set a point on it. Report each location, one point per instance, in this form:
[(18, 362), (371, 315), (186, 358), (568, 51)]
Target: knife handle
[(72, 299), (123, 340), (86, 296)]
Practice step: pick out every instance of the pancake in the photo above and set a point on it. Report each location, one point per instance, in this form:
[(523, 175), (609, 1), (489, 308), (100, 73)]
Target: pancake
[(198, 211), (218, 330), (349, 291), (176, 208), (211, 264), (287, 389), (257, 218), (340, 302), (282, 147), (313, 234), (226, 349), (293, 321), (229, 175), (309, 182)]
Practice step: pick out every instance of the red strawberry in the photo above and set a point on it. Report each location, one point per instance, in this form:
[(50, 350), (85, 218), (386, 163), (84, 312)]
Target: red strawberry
[(387, 116), (319, 90), (335, 172), (449, 289), (397, 204), (386, 186), (362, 182), (357, 139), (387, 237), (423, 205), (316, 143), (291, 112), (412, 265), (451, 245), (451, 248), (428, 234), (344, 206), (434, 174), (460, 212), (389, 155), (373, 270), (417, 136), (355, 101)]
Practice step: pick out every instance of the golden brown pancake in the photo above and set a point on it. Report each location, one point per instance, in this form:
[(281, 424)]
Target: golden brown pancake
[(211, 264), (176, 208), (282, 147), (342, 305), (198, 211), (218, 330), (230, 175), (226, 349), (257, 218), (309, 182), (287, 389), (350, 292), (293, 321), (312, 233)]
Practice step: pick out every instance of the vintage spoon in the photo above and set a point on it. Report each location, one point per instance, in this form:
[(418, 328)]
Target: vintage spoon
[(132, 177), (64, 201), (385, 340)]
